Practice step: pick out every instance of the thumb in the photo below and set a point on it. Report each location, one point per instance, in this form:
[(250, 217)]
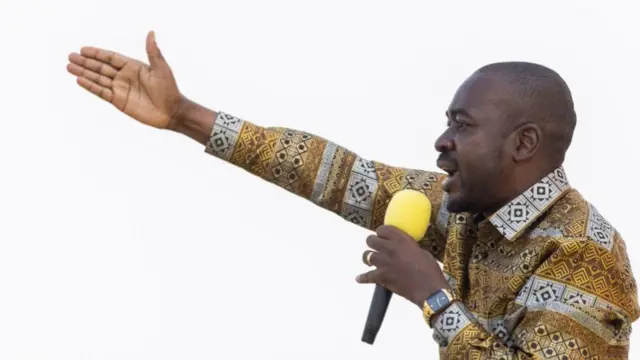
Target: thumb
[(156, 60)]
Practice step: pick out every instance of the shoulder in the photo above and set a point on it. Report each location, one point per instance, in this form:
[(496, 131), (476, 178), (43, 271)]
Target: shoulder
[(591, 255), (575, 217)]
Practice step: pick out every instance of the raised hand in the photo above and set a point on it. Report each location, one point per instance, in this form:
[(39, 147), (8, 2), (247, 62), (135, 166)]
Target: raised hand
[(146, 93)]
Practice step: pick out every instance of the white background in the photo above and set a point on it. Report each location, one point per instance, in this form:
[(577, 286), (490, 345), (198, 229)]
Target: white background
[(119, 241)]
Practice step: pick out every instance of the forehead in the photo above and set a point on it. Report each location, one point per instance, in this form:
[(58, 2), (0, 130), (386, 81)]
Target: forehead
[(484, 93)]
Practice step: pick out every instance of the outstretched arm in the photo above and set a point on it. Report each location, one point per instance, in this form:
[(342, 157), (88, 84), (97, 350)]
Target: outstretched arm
[(327, 174), (305, 164)]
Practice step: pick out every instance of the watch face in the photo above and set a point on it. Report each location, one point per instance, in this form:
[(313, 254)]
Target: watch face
[(438, 300)]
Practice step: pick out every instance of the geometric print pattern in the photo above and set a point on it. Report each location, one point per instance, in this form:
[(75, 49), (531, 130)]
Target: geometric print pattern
[(324, 171), (590, 268), (450, 323), (599, 229), (296, 154), (538, 291), (545, 277), (576, 297), (224, 136), (495, 326), (360, 193), (547, 340), (515, 216), (546, 294)]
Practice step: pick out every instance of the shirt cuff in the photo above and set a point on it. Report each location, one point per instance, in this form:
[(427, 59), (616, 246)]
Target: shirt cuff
[(224, 136), (451, 322)]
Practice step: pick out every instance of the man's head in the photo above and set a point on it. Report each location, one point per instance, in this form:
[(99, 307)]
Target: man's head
[(509, 124)]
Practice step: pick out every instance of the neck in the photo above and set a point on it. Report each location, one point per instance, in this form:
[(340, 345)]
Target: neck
[(520, 182)]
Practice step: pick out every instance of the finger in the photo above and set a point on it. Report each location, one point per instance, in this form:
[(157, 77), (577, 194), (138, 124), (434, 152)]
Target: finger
[(96, 66), (389, 232), (156, 59), (113, 59), (371, 277), (371, 258), (379, 244), (94, 77), (100, 91)]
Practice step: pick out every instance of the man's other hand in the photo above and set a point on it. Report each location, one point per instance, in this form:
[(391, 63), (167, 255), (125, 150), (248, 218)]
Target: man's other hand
[(148, 94)]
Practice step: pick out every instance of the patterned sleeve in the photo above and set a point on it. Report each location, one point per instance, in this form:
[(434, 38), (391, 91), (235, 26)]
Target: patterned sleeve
[(326, 173), (579, 304)]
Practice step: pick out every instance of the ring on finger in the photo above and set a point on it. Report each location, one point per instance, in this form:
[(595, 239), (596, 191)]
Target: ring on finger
[(367, 258)]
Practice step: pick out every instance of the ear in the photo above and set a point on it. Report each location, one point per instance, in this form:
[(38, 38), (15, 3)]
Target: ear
[(525, 141)]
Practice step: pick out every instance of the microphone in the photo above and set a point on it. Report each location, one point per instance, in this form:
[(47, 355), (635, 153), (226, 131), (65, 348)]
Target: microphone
[(408, 210)]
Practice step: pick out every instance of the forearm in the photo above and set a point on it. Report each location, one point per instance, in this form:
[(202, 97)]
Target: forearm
[(310, 166)]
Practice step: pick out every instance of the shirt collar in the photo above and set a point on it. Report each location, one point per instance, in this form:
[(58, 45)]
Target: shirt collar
[(513, 218)]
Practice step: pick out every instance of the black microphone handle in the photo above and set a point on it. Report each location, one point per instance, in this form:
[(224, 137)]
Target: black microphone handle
[(377, 310)]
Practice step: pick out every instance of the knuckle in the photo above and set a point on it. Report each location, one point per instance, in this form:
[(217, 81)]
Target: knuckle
[(370, 239), (382, 230)]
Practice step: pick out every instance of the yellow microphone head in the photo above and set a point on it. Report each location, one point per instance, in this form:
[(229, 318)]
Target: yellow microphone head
[(410, 211)]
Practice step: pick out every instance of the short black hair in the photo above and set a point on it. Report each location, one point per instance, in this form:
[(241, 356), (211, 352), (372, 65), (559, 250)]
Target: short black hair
[(545, 98)]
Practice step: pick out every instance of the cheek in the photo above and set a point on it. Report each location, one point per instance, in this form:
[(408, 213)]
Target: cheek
[(479, 159), (472, 149)]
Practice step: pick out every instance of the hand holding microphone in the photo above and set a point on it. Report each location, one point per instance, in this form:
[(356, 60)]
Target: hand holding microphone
[(401, 266)]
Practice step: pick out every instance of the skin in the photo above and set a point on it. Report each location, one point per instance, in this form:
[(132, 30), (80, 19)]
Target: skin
[(490, 148), (401, 266), (491, 152)]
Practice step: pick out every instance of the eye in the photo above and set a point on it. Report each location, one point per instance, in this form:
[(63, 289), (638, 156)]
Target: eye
[(459, 125), (458, 122)]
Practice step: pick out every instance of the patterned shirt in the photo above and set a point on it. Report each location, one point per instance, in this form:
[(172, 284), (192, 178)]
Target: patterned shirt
[(545, 277)]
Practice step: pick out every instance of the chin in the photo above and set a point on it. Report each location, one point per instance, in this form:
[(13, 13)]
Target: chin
[(460, 202), (457, 203)]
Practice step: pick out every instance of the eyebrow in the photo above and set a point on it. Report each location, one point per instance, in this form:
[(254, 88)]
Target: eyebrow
[(451, 113)]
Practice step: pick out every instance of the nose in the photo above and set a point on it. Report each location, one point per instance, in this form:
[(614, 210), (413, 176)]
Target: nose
[(444, 143)]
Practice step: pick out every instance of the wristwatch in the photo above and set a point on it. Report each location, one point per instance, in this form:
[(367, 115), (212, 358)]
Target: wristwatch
[(436, 303)]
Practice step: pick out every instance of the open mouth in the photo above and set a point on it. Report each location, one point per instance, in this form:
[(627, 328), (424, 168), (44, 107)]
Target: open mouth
[(449, 169), (451, 178), (451, 172), (447, 185)]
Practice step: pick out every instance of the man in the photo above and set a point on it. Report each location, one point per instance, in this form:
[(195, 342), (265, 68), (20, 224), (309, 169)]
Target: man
[(531, 269)]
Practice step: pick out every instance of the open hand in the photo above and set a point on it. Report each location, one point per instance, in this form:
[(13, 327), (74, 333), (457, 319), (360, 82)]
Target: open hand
[(147, 93), (401, 266)]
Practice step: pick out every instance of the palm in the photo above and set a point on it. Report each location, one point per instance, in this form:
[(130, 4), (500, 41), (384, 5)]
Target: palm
[(148, 94), (142, 94)]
